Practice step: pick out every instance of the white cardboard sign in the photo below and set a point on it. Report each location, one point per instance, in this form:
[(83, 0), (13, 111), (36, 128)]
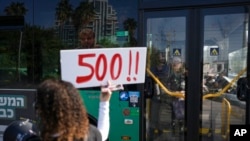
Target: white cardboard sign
[(94, 67)]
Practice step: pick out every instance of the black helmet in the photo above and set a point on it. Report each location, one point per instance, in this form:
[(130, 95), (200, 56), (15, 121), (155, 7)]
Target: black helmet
[(21, 130)]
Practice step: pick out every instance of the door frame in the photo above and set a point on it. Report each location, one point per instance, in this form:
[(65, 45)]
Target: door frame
[(194, 60)]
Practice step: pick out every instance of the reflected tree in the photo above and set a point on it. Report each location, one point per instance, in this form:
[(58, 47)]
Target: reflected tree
[(15, 9), (63, 12), (130, 25), (40, 49), (45, 53), (107, 43), (83, 15)]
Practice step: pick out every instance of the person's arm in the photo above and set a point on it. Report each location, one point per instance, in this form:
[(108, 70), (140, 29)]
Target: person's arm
[(103, 117), (103, 124)]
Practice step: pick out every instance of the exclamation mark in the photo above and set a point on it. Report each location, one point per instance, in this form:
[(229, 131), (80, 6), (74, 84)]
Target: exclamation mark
[(130, 65), (136, 64)]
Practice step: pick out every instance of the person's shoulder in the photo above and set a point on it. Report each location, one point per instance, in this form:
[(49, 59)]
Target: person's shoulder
[(94, 134), (98, 46)]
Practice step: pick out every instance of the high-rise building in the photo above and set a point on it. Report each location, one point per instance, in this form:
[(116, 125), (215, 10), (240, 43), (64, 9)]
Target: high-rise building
[(105, 25), (67, 34)]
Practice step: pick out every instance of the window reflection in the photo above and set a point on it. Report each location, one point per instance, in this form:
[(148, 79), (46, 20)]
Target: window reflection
[(224, 60), (51, 26), (166, 46)]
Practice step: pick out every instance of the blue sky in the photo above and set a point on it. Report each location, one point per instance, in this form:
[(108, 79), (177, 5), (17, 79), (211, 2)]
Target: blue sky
[(44, 10)]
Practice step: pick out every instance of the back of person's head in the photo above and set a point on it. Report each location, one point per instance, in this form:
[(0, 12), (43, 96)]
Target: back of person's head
[(61, 111)]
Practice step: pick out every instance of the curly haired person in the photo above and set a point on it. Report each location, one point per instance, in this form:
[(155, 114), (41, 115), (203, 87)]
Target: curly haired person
[(63, 116)]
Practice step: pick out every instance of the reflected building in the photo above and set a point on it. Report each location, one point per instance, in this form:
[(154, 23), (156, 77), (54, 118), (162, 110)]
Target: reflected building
[(105, 25)]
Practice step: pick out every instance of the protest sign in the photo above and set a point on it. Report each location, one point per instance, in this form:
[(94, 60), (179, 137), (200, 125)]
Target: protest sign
[(94, 67)]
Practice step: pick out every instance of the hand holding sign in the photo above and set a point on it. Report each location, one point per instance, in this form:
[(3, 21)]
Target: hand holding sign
[(111, 87), (107, 89), (90, 67)]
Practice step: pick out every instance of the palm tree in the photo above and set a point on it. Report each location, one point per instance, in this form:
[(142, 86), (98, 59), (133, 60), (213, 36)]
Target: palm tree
[(63, 11), (83, 15), (130, 25), (15, 9)]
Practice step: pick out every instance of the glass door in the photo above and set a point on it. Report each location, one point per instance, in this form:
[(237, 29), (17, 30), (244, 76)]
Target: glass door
[(219, 37), (166, 42), (224, 62)]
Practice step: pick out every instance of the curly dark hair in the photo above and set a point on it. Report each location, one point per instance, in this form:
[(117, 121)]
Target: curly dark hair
[(86, 32), (61, 111)]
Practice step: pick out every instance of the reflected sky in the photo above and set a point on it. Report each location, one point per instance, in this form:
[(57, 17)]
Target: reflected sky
[(44, 10)]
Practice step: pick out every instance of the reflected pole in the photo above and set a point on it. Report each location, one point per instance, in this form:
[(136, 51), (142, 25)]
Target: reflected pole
[(19, 55)]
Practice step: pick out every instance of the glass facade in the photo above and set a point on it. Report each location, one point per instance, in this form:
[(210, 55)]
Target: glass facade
[(33, 32)]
